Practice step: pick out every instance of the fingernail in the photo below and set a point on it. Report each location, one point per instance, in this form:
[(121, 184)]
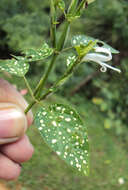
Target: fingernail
[(13, 123), (8, 140)]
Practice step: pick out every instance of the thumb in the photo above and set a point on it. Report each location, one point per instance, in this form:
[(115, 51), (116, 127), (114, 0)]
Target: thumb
[(13, 123), (9, 94)]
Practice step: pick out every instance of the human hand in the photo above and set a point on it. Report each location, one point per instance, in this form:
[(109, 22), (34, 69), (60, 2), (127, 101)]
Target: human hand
[(15, 147)]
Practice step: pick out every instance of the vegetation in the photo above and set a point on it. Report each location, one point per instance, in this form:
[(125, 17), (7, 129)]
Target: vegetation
[(101, 98)]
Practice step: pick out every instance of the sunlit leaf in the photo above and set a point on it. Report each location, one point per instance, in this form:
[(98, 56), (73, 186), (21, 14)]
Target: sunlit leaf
[(63, 130), (84, 40), (16, 67), (38, 54)]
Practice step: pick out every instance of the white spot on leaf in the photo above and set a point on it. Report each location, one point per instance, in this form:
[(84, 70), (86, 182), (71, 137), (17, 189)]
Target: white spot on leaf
[(54, 141)]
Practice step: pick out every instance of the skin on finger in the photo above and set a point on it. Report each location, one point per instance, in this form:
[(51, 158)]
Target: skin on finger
[(20, 151), (9, 94), (13, 123), (9, 170)]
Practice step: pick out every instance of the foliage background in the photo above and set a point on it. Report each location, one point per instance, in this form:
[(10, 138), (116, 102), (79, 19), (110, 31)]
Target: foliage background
[(101, 98)]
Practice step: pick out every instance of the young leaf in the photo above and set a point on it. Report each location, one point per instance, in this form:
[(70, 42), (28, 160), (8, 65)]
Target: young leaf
[(82, 50), (62, 129), (71, 60), (61, 5), (39, 54), (17, 67), (84, 40), (73, 6)]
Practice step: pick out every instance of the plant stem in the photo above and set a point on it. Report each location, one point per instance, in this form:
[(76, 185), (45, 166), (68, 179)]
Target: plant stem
[(60, 81), (80, 6), (44, 78), (64, 77), (52, 89), (66, 49), (28, 87), (59, 48), (63, 36), (29, 106), (53, 24)]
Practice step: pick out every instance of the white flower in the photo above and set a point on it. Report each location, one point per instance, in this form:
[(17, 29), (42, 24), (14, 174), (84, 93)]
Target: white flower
[(100, 56), (121, 181)]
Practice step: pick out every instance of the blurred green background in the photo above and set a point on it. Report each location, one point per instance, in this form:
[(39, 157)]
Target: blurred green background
[(100, 98)]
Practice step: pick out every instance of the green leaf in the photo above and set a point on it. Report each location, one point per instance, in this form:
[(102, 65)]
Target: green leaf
[(61, 5), (84, 40), (17, 67), (71, 60), (104, 45), (63, 130), (73, 6), (90, 1), (39, 54), (83, 50)]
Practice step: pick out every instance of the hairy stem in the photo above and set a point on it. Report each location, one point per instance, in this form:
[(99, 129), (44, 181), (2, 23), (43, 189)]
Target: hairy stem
[(28, 87), (30, 106), (44, 78)]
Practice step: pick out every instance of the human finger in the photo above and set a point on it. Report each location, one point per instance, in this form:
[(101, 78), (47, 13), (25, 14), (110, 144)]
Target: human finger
[(9, 94), (19, 151), (9, 170)]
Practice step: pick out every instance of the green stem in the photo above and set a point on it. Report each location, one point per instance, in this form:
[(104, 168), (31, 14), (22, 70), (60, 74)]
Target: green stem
[(30, 106), (63, 36), (59, 48), (59, 82), (53, 24), (80, 6), (28, 87), (66, 49), (44, 78)]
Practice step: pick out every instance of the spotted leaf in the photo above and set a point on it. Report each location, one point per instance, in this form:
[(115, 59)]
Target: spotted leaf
[(84, 40), (63, 130), (38, 54), (17, 67), (81, 40), (71, 60)]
